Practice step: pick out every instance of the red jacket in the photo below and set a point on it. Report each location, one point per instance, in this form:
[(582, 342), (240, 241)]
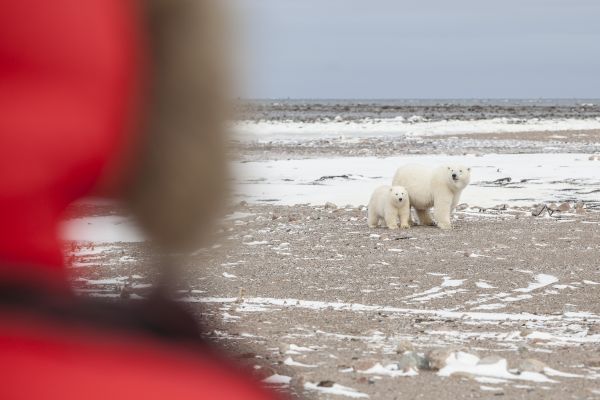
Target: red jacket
[(70, 77)]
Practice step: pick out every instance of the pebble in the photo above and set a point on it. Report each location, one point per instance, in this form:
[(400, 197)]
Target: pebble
[(526, 332), (437, 358), (411, 360), (364, 364), (564, 207), (462, 206), (326, 383), (404, 346), (593, 362), (330, 205), (593, 330), (532, 365)]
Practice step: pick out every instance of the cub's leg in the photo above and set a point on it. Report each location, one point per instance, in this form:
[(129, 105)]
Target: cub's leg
[(404, 214), (391, 219), (424, 217)]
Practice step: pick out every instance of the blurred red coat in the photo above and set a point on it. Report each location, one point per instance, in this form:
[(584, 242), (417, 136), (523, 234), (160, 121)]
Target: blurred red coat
[(70, 76)]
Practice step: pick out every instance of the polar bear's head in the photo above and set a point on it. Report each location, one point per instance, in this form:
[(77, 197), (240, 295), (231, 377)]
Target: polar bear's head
[(398, 195), (458, 176)]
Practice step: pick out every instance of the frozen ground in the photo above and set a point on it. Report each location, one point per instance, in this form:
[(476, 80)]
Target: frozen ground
[(389, 127), (320, 306), (534, 178), (306, 295)]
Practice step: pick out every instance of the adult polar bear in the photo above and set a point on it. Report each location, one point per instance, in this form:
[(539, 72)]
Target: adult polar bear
[(437, 187)]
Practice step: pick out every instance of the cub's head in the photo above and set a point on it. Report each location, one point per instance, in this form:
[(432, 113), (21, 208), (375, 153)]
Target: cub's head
[(399, 194), (458, 176)]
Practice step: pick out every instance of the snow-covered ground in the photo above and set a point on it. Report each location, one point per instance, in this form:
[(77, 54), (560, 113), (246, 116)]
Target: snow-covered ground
[(534, 178), (392, 127)]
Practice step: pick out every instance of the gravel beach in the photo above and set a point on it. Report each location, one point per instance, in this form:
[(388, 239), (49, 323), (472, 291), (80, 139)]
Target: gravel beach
[(319, 306)]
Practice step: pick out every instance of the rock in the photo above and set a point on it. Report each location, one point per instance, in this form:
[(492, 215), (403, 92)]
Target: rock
[(564, 207), (404, 346), (326, 383), (532, 365), (489, 360), (284, 348), (593, 330), (297, 383), (411, 360), (437, 358), (406, 363), (594, 157), (526, 332), (364, 364), (552, 207), (330, 205), (593, 362), (462, 206), (243, 203), (580, 208)]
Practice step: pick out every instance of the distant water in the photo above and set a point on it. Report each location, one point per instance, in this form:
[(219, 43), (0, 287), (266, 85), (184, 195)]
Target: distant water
[(431, 109), (430, 102)]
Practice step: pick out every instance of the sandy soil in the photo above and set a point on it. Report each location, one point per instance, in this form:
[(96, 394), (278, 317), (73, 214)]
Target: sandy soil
[(501, 283)]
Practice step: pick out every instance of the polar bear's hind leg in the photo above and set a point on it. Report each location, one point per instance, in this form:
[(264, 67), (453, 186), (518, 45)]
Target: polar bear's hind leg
[(391, 219), (424, 217), (372, 219)]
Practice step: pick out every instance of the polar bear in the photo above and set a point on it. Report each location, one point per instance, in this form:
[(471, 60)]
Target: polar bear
[(389, 203), (437, 187)]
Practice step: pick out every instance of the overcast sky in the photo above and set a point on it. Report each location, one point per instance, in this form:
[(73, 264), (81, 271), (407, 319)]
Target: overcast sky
[(420, 48)]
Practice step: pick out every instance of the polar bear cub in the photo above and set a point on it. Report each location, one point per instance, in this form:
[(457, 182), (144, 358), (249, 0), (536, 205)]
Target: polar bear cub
[(389, 203), (437, 187)]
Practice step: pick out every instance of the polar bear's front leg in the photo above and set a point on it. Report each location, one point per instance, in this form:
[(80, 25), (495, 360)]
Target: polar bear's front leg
[(424, 217), (442, 215), (404, 214), (391, 219)]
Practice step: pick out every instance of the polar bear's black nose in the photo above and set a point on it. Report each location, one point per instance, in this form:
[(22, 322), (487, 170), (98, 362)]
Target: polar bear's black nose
[(453, 176)]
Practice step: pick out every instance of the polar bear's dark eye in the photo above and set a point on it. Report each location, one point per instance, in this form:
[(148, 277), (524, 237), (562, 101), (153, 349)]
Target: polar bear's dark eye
[(461, 170)]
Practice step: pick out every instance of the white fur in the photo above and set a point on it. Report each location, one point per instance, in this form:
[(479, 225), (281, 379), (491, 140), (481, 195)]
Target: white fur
[(388, 203), (433, 187)]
